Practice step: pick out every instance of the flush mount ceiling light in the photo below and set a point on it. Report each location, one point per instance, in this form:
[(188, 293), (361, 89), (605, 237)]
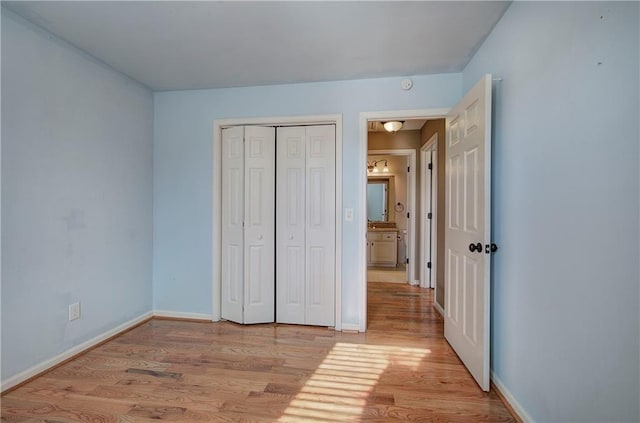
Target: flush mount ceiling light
[(393, 126)]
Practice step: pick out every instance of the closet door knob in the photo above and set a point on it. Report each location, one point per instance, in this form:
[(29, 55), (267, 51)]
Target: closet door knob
[(475, 247), (290, 237), (259, 237)]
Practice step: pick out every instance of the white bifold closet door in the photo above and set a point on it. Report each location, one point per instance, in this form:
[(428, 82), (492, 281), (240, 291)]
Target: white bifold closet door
[(248, 224), (305, 225)]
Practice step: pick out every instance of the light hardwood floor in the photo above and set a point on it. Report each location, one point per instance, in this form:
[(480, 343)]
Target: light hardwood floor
[(402, 369), (386, 274)]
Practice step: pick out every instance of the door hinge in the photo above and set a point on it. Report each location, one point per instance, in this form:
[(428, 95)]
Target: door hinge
[(408, 215), (408, 169), (407, 260), (429, 215), (428, 265), (430, 166)]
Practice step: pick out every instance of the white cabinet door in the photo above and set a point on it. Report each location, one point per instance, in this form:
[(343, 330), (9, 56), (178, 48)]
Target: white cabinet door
[(248, 227), (382, 249), (305, 225), (468, 213), (290, 225), (384, 252)]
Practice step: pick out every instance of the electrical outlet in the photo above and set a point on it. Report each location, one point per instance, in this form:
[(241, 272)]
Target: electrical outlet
[(348, 215), (74, 311)]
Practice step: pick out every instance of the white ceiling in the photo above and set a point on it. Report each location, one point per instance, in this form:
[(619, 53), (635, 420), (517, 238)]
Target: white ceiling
[(169, 45)]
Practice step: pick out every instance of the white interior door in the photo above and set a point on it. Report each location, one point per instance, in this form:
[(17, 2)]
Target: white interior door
[(259, 229), (320, 187), (290, 225), (427, 222), (232, 262), (248, 227), (305, 223), (468, 229)]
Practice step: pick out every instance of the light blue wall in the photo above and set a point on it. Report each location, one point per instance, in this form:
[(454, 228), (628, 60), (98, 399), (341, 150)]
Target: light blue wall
[(565, 208), (183, 169), (76, 196), (77, 184)]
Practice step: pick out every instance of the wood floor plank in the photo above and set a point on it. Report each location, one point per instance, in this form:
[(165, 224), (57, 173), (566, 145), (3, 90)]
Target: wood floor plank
[(402, 369)]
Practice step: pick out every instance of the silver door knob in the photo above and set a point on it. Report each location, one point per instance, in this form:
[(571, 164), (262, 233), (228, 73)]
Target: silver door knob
[(290, 237), (259, 237)]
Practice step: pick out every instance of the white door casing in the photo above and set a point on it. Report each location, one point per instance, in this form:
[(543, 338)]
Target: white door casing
[(306, 225), (361, 217), (248, 230), (468, 214)]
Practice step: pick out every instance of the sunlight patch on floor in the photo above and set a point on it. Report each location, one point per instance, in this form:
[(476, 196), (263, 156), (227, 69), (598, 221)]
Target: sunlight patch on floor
[(339, 388)]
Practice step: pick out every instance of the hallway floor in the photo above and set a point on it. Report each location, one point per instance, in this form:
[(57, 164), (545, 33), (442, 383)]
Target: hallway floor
[(387, 274)]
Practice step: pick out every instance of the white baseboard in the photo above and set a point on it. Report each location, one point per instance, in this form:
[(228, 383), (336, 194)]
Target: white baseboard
[(515, 405), (182, 315), (439, 309), (348, 327), (47, 364)]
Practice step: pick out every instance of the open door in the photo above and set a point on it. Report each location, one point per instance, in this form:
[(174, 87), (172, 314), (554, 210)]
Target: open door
[(468, 229)]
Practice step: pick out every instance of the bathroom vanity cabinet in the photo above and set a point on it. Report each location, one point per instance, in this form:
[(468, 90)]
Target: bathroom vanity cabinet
[(382, 248)]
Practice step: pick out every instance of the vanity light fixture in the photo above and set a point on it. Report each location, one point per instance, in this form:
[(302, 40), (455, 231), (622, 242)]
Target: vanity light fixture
[(393, 126), (372, 167)]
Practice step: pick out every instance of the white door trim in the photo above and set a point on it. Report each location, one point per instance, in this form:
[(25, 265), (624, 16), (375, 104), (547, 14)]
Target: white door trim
[(361, 213), (411, 209), (428, 191), (216, 238)]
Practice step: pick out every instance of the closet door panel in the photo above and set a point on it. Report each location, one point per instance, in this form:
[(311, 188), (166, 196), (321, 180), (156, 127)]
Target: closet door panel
[(290, 225), (320, 225), (259, 230), (232, 263)]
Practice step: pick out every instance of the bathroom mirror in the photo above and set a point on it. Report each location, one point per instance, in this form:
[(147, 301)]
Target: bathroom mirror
[(378, 199)]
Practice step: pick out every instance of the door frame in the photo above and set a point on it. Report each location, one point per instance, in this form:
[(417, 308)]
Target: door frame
[(411, 199), (216, 223), (429, 190), (360, 218)]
